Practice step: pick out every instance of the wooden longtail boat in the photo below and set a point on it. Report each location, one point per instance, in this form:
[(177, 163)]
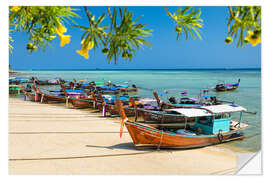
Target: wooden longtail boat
[(158, 114), (213, 125), (112, 108), (51, 98), (161, 116), (165, 105), (84, 102), (33, 95), (46, 82), (15, 89), (187, 102), (227, 87), (128, 90), (140, 103)]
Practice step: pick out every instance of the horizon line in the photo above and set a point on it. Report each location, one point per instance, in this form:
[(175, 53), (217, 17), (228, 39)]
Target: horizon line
[(255, 68)]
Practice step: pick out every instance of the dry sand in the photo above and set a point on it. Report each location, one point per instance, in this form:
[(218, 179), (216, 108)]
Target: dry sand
[(53, 139)]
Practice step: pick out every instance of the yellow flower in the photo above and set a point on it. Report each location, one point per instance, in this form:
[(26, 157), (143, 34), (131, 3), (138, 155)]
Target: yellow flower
[(61, 28), (254, 39), (85, 48), (83, 52), (64, 39), (15, 8)]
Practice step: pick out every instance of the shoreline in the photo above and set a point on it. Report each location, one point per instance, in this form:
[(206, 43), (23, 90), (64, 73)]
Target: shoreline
[(53, 139), (17, 73)]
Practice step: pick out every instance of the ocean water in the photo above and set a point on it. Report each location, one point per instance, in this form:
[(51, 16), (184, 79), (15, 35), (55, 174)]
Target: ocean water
[(248, 94)]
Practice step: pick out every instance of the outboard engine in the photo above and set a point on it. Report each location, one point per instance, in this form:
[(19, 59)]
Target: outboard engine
[(134, 86), (172, 100), (214, 100), (28, 88)]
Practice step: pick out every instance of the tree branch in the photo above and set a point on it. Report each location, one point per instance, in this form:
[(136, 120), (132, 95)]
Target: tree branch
[(232, 14), (109, 11), (169, 13), (88, 16)]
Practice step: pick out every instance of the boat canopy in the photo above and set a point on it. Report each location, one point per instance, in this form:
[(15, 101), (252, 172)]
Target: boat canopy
[(147, 100), (191, 112), (208, 110), (224, 108)]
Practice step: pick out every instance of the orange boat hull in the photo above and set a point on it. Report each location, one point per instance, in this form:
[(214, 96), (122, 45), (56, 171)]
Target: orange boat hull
[(147, 136), (82, 103), (49, 98)]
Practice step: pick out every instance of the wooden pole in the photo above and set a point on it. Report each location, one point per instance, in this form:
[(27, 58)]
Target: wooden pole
[(94, 98), (67, 97), (133, 103), (157, 98), (122, 114)]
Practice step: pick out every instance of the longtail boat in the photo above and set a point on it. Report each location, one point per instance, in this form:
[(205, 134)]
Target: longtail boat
[(55, 81), (132, 89), (15, 89), (18, 80), (158, 114), (51, 98), (31, 95), (109, 106), (82, 102), (106, 104), (213, 125), (186, 102), (220, 87), (59, 95), (88, 102)]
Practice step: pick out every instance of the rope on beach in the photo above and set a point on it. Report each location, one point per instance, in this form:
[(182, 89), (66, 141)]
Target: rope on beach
[(78, 157), (85, 132)]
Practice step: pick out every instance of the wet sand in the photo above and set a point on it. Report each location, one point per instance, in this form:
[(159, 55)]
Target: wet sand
[(54, 139)]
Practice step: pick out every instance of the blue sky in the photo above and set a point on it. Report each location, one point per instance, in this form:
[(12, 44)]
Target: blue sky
[(166, 51)]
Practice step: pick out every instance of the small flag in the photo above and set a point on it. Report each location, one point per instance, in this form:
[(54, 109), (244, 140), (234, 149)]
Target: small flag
[(184, 93), (205, 90)]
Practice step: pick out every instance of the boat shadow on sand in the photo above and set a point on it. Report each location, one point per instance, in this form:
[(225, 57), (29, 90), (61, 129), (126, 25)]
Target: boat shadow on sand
[(130, 146), (127, 146)]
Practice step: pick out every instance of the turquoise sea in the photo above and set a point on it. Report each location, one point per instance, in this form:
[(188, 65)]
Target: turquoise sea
[(248, 94)]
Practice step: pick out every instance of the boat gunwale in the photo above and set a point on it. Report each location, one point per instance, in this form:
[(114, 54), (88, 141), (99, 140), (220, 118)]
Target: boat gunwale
[(140, 125)]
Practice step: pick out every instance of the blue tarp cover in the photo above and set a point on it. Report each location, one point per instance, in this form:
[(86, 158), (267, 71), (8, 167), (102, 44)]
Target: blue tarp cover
[(162, 93), (183, 105), (85, 84), (76, 90)]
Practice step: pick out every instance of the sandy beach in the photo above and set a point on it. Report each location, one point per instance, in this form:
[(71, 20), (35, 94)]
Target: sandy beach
[(54, 139)]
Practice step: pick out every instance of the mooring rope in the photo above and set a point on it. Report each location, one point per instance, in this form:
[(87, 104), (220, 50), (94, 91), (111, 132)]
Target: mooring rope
[(60, 132), (78, 157)]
